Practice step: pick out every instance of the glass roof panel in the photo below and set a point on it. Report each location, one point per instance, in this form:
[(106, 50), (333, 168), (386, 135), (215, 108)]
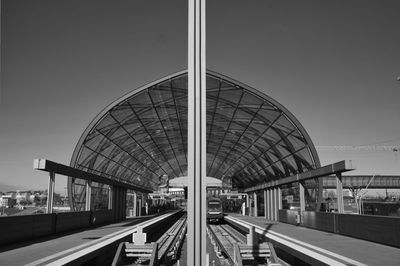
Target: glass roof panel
[(144, 134)]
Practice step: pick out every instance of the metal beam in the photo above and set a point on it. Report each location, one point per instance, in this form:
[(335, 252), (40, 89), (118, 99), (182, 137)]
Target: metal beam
[(196, 236), (49, 166), (361, 181), (330, 169)]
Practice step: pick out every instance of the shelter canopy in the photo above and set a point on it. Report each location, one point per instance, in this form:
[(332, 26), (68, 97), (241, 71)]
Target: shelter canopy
[(142, 136)]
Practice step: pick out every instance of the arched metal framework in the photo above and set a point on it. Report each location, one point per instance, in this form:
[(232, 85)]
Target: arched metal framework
[(251, 138)]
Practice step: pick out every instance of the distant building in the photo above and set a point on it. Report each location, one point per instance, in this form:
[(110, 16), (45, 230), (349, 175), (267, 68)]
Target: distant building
[(21, 196), (8, 200)]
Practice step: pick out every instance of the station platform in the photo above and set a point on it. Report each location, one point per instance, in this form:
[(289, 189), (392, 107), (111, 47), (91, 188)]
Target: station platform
[(333, 249), (44, 251)]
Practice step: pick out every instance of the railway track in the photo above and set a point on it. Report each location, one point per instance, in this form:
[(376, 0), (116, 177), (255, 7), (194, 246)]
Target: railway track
[(223, 240), (170, 243), (162, 251), (231, 246)]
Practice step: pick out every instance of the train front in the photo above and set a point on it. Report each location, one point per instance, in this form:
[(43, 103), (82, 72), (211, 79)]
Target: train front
[(214, 210)]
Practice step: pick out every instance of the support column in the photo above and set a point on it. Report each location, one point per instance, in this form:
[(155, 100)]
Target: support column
[(147, 205), (268, 204), (196, 241), (273, 204), (124, 196), (110, 197), (320, 190), (88, 203), (119, 203), (276, 204), (302, 197), (279, 199), (140, 206), (50, 192), (115, 202), (134, 204), (255, 204), (248, 203), (265, 204), (339, 193)]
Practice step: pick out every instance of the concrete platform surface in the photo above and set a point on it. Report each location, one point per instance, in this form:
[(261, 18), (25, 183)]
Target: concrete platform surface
[(348, 250), (30, 251)]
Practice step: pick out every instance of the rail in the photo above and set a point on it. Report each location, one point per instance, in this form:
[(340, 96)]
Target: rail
[(171, 241), (238, 248), (224, 247), (164, 248)]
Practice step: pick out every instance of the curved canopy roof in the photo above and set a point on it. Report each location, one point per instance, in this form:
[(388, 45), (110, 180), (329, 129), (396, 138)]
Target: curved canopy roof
[(143, 135)]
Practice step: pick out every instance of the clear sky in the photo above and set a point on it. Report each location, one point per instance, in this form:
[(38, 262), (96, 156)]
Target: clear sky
[(333, 64)]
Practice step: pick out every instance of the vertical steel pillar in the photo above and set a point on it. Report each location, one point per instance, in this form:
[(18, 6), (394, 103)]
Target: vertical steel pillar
[(110, 197), (115, 202), (248, 203), (276, 198), (135, 204), (273, 200), (50, 192), (279, 198), (255, 204), (271, 204), (319, 195), (124, 200), (88, 195), (302, 197), (339, 193), (140, 206), (265, 204), (268, 205), (196, 243)]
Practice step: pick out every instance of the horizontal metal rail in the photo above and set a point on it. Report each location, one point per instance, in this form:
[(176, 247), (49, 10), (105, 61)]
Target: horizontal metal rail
[(223, 240), (170, 238)]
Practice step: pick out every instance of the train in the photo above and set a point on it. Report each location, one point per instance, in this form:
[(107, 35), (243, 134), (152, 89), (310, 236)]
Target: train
[(214, 209)]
